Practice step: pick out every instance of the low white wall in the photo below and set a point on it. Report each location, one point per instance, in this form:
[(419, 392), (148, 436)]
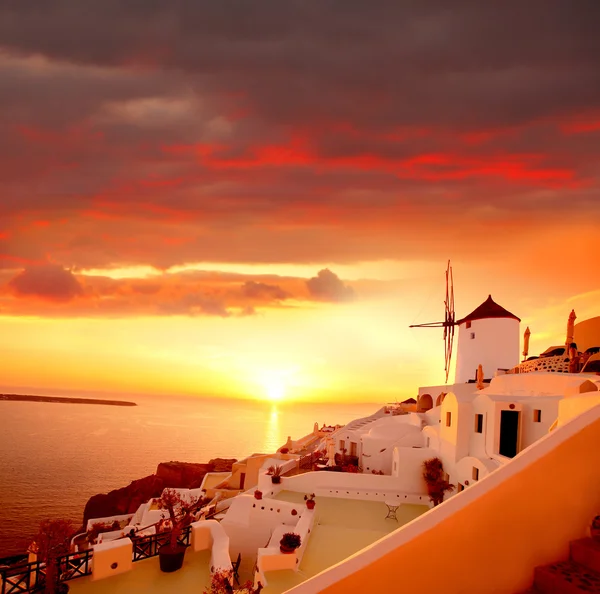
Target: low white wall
[(347, 485), (209, 534), (271, 558), (112, 558), (250, 522)]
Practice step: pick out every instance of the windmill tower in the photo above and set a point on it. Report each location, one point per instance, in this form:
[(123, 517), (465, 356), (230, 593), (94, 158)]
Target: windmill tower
[(488, 336)]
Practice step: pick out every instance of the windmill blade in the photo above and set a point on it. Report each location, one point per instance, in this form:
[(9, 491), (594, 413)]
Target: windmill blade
[(448, 323), (450, 317)]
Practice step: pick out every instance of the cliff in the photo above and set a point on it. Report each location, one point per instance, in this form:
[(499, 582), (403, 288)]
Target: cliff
[(126, 500), (64, 400)]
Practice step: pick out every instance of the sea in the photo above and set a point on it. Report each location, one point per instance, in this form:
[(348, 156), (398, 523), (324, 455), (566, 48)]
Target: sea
[(54, 457)]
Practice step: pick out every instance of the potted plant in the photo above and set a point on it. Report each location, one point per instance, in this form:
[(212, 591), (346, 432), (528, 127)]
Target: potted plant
[(52, 541), (275, 473), (257, 494), (284, 450), (98, 528), (289, 542), (222, 583), (310, 501), (437, 485), (595, 528), (180, 510)]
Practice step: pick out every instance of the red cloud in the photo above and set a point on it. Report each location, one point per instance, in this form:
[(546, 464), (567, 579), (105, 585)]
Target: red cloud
[(50, 290), (48, 281)]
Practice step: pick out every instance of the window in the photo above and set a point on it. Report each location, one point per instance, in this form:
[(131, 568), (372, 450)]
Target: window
[(475, 473), (537, 416), (461, 487), (478, 423), (468, 324), (394, 466), (472, 335), (448, 419), (342, 445), (428, 442)]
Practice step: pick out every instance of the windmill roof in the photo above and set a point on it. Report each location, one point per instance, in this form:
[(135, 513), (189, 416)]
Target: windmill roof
[(488, 309)]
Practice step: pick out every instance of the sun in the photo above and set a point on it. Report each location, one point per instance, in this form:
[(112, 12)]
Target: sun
[(274, 388)]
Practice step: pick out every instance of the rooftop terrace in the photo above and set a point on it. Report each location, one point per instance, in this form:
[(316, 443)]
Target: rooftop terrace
[(342, 528), (147, 577)]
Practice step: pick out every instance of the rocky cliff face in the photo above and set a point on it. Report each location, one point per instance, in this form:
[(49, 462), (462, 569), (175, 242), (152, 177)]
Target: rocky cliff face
[(126, 500)]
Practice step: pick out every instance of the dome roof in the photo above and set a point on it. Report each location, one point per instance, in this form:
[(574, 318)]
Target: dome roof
[(488, 309)]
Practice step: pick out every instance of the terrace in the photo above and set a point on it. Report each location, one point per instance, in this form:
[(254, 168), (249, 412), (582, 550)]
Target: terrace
[(147, 577), (342, 528)]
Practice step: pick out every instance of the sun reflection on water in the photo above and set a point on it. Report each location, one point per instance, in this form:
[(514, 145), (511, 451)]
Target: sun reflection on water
[(272, 434)]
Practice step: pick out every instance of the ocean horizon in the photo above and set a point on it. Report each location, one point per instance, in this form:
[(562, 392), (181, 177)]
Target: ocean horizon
[(54, 457)]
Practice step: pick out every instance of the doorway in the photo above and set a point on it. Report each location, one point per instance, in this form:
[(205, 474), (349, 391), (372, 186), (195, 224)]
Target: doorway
[(509, 433)]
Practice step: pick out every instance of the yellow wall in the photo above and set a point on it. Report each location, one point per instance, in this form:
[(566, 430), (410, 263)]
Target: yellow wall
[(572, 406), (587, 333), (492, 544)]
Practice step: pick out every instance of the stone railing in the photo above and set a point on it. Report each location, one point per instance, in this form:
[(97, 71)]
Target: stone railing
[(558, 364)]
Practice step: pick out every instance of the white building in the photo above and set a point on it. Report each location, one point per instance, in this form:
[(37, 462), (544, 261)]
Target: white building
[(475, 432)]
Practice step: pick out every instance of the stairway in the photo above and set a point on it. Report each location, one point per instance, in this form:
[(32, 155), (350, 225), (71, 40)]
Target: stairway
[(581, 573)]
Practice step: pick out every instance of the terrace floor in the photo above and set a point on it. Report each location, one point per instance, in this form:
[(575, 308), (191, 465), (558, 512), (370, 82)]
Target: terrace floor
[(147, 578), (342, 528)]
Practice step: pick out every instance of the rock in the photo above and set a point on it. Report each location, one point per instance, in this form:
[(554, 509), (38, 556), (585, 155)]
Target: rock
[(125, 500), (185, 475), (222, 464)]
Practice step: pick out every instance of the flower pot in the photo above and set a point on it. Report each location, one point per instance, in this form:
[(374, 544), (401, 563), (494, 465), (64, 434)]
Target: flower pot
[(286, 550), (257, 495), (171, 559), (310, 504), (275, 480)]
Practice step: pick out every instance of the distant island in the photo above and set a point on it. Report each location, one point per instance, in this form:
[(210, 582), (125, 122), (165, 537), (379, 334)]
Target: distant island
[(62, 400)]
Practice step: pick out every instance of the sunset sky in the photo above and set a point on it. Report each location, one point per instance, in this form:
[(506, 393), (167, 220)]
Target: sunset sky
[(256, 199)]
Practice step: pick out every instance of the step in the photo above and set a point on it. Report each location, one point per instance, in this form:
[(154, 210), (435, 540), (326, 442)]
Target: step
[(586, 552), (566, 577)]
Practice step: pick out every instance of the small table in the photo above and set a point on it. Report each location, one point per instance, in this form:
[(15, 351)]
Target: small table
[(392, 507)]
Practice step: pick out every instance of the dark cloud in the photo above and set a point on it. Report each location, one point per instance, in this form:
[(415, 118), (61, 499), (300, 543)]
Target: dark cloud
[(188, 293), (167, 133), (50, 281), (327, 286), (256, 290), (386, 63)]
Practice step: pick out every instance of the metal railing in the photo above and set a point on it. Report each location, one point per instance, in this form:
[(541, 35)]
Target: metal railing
[(25, 576), (74, 565), (21, 578), (148, 546)]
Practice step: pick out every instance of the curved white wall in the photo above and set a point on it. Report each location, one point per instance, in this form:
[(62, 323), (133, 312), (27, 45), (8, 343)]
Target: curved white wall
[(587, 333), (495, 346)]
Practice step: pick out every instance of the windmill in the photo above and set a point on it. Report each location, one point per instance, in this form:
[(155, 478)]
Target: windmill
[(448, 323)]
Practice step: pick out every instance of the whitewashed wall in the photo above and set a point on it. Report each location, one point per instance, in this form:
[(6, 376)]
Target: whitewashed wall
[(495, 346), (250, 522)]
